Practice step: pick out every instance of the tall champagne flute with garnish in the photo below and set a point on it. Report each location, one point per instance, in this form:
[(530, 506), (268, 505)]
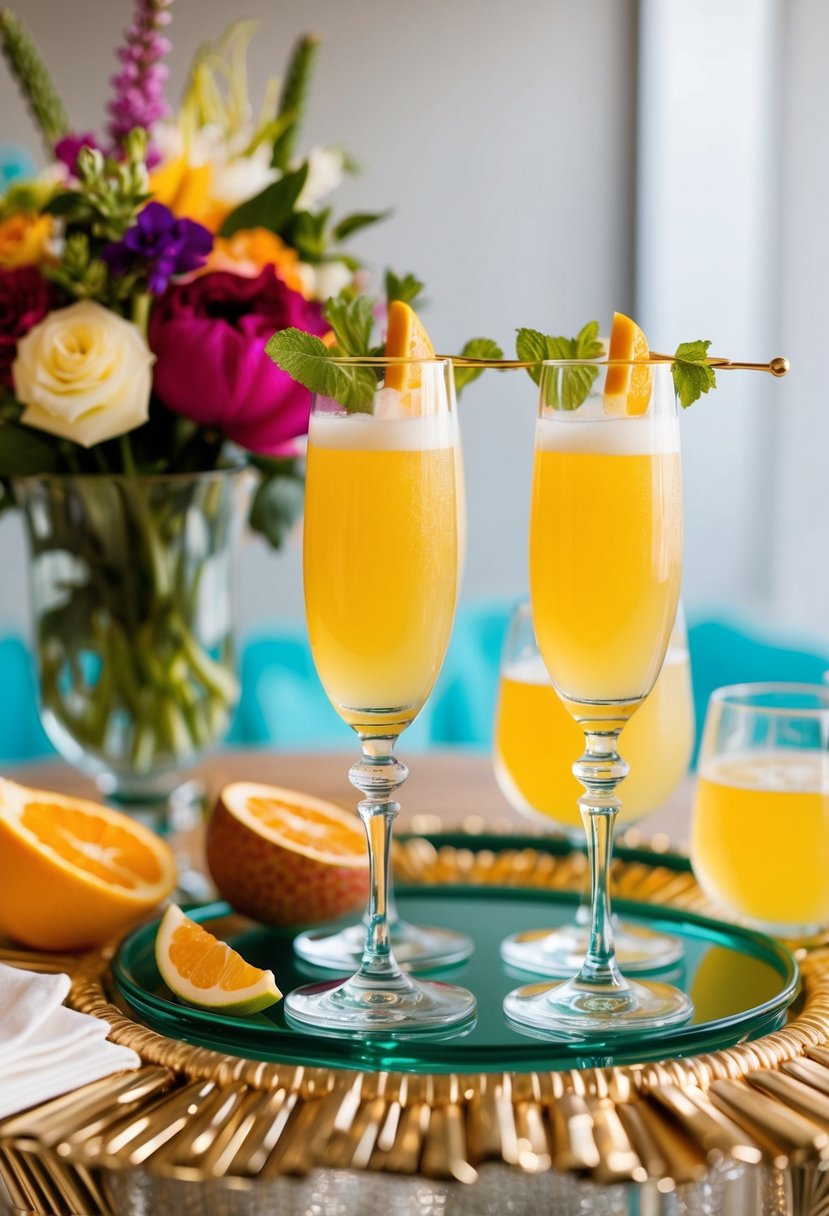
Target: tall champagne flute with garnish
[(605, 569), (380, 572)]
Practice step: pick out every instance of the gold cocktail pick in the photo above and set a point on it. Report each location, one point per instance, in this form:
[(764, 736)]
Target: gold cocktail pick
[(778, 366)]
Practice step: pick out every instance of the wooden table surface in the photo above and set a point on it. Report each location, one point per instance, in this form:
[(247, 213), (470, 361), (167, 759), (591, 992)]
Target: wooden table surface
[(446, 789)]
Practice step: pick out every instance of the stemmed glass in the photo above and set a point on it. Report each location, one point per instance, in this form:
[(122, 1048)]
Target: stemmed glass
[(535, 740), (605, 570), (380, 570)]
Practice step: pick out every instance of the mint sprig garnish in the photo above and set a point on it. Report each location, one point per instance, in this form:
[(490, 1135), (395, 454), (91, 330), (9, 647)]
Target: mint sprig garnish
[(692, 374), (475, 348), (312, 363), (571, 387)]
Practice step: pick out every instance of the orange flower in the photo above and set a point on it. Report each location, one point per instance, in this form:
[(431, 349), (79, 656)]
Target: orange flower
[(249, 250), (186, 189), (24, 239)]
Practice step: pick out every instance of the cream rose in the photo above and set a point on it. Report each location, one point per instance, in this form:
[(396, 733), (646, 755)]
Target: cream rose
[(83, 373)]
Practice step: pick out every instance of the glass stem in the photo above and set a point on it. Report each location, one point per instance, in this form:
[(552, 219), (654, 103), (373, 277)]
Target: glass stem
[(600, 770), (378, 774)]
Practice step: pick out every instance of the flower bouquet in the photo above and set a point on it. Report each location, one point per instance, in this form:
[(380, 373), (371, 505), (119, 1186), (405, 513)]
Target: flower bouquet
[(140, 277)]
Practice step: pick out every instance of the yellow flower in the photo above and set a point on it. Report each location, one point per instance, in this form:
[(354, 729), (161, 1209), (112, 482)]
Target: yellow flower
[(84, 373), (186, 189), (24, 239), (251, 249)]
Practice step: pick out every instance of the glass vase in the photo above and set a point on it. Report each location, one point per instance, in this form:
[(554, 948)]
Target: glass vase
[(132, 605)]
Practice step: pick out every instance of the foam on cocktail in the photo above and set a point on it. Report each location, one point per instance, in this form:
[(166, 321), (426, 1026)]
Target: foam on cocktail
[(588, 429), (391, 428)]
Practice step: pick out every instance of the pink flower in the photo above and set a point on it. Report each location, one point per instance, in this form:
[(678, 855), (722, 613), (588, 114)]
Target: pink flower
[(25, 299), (209, 338)]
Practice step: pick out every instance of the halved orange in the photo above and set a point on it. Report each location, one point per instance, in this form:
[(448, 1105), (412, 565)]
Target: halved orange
[(284, 857), (405, 339), (206, 972), (74, 873), (627, 388)]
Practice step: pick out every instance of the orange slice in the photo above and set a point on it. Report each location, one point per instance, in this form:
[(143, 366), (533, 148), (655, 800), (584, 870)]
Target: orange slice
[(284, 857), (627, 388), (74, 873), (405, 339), (207, 973)]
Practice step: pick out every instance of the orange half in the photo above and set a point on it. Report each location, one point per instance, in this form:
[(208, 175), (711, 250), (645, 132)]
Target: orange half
[(627, 388), (405, 339), (299, 822), (74, 873)]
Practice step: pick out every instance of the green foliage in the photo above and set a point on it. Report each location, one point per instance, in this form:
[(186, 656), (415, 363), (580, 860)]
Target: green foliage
[(355, 222), (475, 348), (352, 321), (692, 374), (308, 360), (25, 452), (278, 500), (33, 79), (294, 97), (407, 288), (272, 208)]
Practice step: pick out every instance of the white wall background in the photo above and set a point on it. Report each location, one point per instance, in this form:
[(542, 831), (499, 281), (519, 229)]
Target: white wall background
[(506, 137)]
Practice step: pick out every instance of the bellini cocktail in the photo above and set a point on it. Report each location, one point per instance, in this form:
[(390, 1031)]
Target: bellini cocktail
[(605, 569), (380, 572)]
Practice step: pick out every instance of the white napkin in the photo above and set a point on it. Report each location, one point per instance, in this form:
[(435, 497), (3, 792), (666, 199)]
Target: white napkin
[(46, 1049)]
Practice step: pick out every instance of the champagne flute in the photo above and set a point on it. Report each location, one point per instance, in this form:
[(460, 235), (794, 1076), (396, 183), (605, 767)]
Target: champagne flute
[(535, 739), (380, 573), (605, 570)]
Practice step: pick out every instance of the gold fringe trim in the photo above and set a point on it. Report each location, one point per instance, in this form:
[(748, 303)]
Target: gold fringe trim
[(198, 1114)]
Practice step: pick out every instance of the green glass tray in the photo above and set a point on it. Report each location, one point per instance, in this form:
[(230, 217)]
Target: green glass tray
[(741, 983)]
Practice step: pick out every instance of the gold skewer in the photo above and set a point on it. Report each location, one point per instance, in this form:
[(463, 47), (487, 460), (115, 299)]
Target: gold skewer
[(778, 366)]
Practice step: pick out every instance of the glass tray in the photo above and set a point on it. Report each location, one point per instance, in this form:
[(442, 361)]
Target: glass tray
[(741, 983)]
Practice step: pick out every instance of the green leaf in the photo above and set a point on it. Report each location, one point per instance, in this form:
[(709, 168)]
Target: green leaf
[(308, 360), (692, 374), (25, 452), (350, 224), (306, 233), (352, 322), (294, 97), (475, 348), (407, 288), (272, 208), (278, 499), (571, 386)]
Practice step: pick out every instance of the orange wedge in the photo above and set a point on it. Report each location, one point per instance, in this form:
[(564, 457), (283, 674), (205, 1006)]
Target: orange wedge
[(405, 339), (627, 388), (73, 873), (285, 858), (207, 973)]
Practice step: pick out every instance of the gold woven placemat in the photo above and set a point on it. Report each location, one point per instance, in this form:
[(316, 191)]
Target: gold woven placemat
[(198, 1114)]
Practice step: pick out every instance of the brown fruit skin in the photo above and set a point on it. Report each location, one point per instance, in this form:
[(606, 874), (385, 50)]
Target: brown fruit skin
[(273, 885)]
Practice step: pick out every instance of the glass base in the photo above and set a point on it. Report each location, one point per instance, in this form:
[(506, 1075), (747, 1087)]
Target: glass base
[(365, 1004), (574, 1007), (561, 951), (415, 947)]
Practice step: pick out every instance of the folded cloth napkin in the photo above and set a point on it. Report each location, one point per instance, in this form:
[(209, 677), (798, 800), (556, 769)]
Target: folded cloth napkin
[(46, 1049)]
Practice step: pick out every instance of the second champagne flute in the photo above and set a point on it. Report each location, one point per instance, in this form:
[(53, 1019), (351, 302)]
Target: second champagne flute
[(380, 572), (605, 569)]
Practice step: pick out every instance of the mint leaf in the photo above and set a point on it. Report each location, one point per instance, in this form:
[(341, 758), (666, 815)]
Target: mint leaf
[(308, 360), (407, 288), (571, 386), (352, 321), (692, 375), (475, 348), (272, 208)]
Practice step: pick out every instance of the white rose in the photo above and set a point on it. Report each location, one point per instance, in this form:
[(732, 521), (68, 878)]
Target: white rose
[(83, 373), (326, 169)]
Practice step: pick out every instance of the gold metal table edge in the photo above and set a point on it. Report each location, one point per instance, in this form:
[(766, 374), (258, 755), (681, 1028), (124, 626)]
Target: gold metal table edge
[(197, 1114)]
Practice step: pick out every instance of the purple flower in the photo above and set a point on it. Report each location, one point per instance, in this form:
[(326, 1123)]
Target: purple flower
[(168, 246), (67, 149), (139, 84)]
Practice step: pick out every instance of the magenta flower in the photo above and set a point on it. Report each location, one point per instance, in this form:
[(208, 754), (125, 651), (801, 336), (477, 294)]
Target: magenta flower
[(167, 245), (67, 149), (25, 299), (209, 338), (139, 84)]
